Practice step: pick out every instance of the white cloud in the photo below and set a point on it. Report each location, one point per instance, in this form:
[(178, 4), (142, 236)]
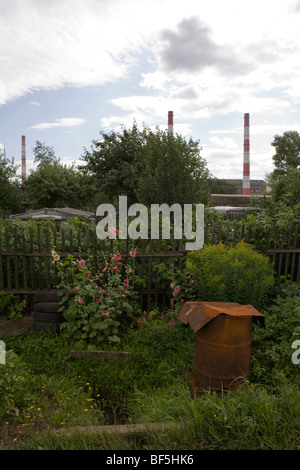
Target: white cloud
[(226, 143), (52, 44), (63, 122), (224, 54), (199, 60)]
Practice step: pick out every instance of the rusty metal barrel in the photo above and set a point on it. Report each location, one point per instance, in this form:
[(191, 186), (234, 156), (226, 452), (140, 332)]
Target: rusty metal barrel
[(222, 353), (222, 343)]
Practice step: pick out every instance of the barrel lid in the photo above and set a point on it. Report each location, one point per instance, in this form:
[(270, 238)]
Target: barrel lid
[(197, 314)]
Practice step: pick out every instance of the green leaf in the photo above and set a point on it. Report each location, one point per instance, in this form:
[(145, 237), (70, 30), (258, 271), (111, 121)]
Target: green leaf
[(114, 338), (127, 306)]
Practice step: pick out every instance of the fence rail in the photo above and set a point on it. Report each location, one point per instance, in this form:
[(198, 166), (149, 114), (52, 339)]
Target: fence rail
[(25, 254)]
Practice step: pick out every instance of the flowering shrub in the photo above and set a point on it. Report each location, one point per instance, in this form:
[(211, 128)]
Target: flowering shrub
[(176, 282), (100, 306), (182, 291)]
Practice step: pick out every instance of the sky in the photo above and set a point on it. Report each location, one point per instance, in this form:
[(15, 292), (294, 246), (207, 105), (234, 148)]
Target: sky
[(73, 68)]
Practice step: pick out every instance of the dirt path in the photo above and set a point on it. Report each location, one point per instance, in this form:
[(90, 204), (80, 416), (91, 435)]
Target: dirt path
[(15, 327)]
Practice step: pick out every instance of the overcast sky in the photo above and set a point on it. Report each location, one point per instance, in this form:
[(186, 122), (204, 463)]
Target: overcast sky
[(71, 68)]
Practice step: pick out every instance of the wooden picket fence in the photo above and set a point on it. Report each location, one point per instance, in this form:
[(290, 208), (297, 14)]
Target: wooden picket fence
[(26, 268)]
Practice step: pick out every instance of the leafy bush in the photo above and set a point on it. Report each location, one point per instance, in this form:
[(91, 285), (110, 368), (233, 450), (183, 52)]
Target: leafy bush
[(11, 304), (231, 274), (99, 306), (272, 345), (14, 379), (176, 282)]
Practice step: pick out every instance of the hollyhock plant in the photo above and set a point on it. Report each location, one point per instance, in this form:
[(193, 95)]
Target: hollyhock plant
[(111, 291), (182, 291)]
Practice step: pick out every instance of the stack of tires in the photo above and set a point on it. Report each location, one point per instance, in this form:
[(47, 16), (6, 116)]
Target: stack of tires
[(46, 314)]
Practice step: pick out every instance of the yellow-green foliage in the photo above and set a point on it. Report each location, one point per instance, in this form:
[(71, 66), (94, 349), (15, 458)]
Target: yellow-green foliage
[(231, 274)]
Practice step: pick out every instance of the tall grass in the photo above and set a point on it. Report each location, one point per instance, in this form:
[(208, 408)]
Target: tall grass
[(263, 413)]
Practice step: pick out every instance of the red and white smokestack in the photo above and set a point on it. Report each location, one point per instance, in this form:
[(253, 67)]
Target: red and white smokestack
[(23, 159), (170, 122), (246, 168)]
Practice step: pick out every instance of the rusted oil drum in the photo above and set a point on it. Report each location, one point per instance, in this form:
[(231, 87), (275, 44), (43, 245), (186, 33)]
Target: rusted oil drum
[(222, 353)]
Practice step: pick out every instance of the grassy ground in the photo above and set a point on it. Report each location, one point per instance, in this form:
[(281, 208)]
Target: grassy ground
[(42, 390)]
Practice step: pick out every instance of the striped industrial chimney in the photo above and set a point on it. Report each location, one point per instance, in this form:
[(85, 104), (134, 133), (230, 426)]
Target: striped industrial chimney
[(23, 159), (246, 167), (170, 122)]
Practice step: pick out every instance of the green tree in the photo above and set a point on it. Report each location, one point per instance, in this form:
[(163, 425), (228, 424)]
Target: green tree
[(287, 155), (147, 166), (10, 197), (285, 186), (284, 181), (173, 170), (57, 185), (44, 153), (221, 186), (113, 164)]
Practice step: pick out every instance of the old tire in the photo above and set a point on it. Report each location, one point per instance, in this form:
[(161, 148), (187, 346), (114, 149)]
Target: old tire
[(43, 321), (46, 296), (47, 307), (46, 314), (48, 317)]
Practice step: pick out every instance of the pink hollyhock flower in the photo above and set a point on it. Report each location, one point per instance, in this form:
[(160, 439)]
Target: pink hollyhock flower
[(139, 321), (119, 256), (88, 276), (104, 270), (132, 253), (76, 288), (126, 282), (80, 263), (172, 323), (79, 300), (113, 231), (106, 315), (176, 289), (116, 269), (122, 288), (172, 285), (172, 301), (124, 295)]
